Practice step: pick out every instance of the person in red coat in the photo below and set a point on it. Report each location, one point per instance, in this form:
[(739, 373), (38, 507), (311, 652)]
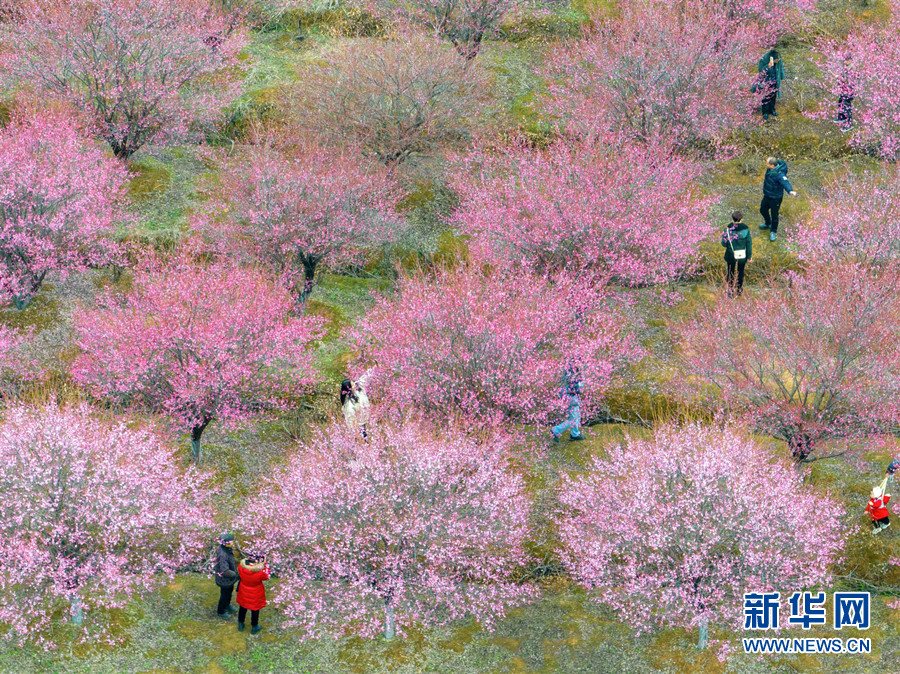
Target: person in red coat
[(878, 511), (251, 594)]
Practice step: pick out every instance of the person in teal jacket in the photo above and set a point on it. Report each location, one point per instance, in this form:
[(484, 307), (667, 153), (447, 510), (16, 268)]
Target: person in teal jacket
[(738, 244), (570, 392), (771, 73)]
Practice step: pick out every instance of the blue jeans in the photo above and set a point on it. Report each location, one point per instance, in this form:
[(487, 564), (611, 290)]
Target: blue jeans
[(573, 420)]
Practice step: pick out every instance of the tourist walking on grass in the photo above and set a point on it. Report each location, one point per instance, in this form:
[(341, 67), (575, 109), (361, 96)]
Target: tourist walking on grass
[(775, 184), (738, 245), (251, 594), (226, 574)]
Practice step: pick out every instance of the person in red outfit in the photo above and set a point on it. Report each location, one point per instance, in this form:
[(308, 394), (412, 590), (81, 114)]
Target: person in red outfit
[(878, 511), (251, 594)]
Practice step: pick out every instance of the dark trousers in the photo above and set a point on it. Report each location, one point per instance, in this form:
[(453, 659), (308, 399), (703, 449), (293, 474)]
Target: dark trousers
[(768, 103), (729, 277), (225, 598), (883, 522), (769, 210), (845, 111), (254, 616)]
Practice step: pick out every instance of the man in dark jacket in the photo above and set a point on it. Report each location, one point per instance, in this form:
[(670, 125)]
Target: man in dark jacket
[(774, 186), (738, 251), (226, 574)]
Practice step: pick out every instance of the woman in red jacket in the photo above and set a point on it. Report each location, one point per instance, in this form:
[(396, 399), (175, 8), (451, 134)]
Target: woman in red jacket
[(251, 594)]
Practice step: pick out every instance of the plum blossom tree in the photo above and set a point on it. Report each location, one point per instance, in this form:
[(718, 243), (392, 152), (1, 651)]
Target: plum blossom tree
[(86, 525), (297, 214), (196, 344), (60, 200), (252, 12), (15, 366), (493, 347), (816, 360), (771, 17), (628, 211), (857, 220), (656, 71), (673, 530), (464, 23), (147, 71), (392, 99), (405, 528), (871, 76)]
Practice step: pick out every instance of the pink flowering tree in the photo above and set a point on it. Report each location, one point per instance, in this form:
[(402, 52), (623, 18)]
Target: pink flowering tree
[(464, 23), (672, 531), (817, 359), (629, 211), (253, 12), (493, 347), (94, 514), (196, 344), (61, 198), (857, 220), (770, 17), (392, 99), (16, 367), (866, 65), (317, 208), (403, 529), (655, 71), (147, 71)]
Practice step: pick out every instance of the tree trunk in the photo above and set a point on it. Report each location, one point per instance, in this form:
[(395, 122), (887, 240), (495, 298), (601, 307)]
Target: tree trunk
[(196, 449), (309, 263), (22, 301), (390, 630), (703, 634), (77, 612)]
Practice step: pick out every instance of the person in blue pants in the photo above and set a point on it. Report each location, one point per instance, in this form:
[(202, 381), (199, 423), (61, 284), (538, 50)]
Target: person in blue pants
[(573, 385)]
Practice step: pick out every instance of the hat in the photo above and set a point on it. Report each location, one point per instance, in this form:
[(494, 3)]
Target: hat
[(226, 537), (876, 492)]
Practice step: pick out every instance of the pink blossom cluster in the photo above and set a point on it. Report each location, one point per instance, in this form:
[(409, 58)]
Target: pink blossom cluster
[(403, 528), (818, 359), (145, 71), (857, 220), (464, 23), (629, 211), (493, 346), (61, 200), (94, 513), (196, 343), (865, 65), (672, 531), (296, 213), (656, 70)]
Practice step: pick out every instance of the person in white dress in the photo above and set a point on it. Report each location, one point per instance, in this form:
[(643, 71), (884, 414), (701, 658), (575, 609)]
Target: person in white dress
[(355, 403)]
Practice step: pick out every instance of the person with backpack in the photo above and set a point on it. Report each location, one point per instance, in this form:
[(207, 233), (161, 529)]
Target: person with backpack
[(226, 574), (775, 184), (251, 595), (738, 244), (771, 73), (570, 392), (877, 509)]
